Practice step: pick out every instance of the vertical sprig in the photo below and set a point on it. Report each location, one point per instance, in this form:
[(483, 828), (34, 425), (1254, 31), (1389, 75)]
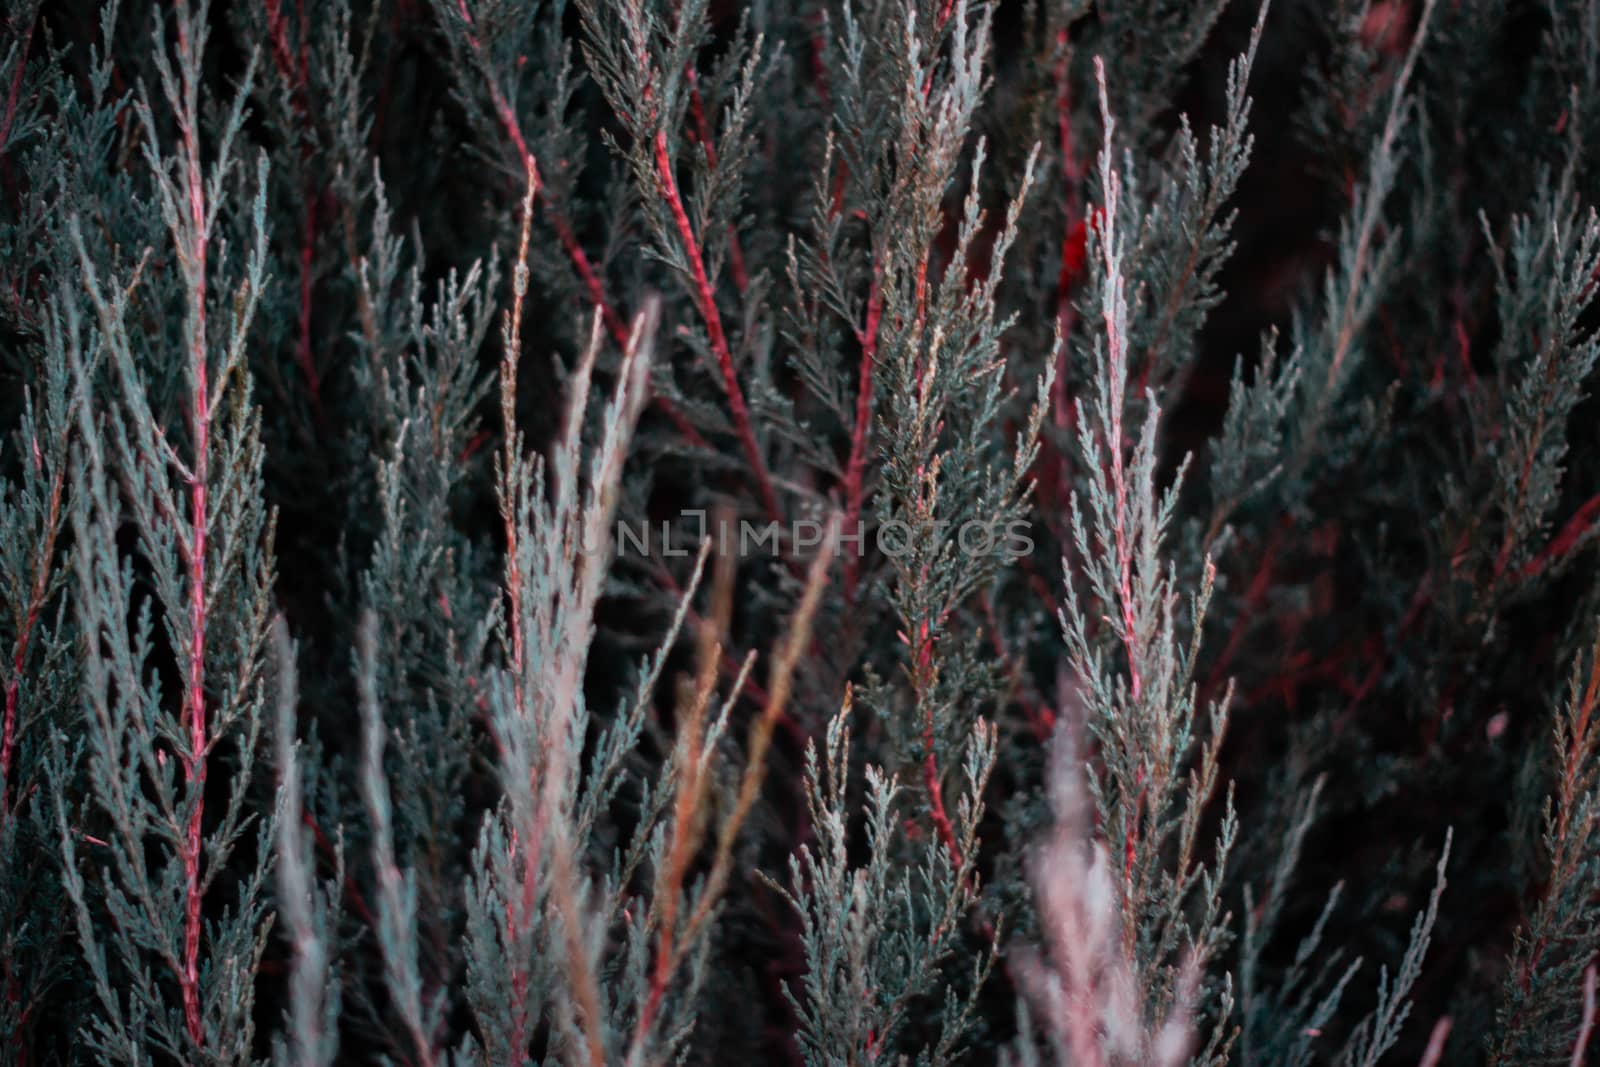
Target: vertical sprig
[(643, 68), (1083, 987), (31, 518), (1541, 1013), (40, 684), (1545, 279), (204, 537), (1369, 257), (948, 470), (183, 202), (690, 766), (1158, 767), (881, 933), (558, 552), (309, 910), (484, 74), (420, 1010)]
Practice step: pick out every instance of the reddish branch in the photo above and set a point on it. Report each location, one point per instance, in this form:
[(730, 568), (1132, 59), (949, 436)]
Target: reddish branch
[(931, 778), (592, 284), (278, 39), (508, 513), (1586, 1019), (855, 469), (194, 699), (687, 815), (1433, 1055), (586, 274), (1570, 534), (1577, 746), (569, 241), (1130, 853), (923, 672), (508, 416), (705, 299), (1113, 314), (1074, 243)]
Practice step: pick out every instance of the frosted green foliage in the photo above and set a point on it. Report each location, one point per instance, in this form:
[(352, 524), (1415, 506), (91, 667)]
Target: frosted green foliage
[(339, 724), (39, 679), (1542, 1004), (1276, 421), (309, 909), (195, 586), (1134, 679), (880, 935), (1544, 283)]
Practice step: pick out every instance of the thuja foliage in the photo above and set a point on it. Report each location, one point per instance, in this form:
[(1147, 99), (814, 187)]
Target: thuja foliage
[(838, 532)]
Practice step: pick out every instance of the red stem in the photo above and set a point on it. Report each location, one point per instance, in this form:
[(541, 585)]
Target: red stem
[(1075, 235), (1535, 441), (1582, 521), (678, 856), (517, 918), (855, 469), (569, 241), (195, 764), (1130, 839), (1571, 765), (194, 761), (930, 765), (930, 776), (278, 31), (1117, 366), (713, 319)]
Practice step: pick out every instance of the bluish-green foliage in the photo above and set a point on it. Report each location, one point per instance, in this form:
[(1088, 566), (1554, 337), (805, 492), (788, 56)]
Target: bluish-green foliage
[(887, 531)]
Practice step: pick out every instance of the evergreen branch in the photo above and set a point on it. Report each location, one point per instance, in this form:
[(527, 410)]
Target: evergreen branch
[(705, 300)]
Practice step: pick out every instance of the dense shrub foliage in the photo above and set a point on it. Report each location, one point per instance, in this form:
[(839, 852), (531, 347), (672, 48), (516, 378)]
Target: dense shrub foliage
[(831, 532)]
